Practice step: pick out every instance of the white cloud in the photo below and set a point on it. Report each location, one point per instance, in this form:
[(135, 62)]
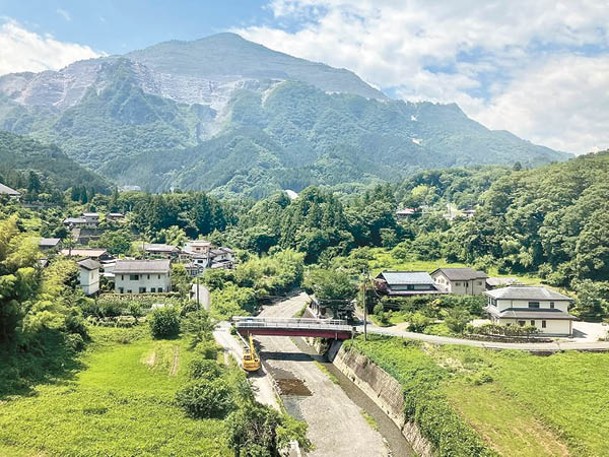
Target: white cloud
[(23, 50), (64, 14), (477, 53)]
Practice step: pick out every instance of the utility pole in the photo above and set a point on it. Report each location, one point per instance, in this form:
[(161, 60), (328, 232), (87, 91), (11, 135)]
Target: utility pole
[(198, 302), (364, 300)]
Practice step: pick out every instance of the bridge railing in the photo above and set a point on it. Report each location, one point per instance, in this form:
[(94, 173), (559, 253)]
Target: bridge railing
[(300, 323)]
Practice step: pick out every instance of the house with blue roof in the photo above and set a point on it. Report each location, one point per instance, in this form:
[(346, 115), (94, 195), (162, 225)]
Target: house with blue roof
[(405, 283)]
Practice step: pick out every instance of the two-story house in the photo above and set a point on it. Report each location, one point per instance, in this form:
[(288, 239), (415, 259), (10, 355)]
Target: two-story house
[(88, 276), (405, 283), (460, 281), (528, 305), (142, 276)]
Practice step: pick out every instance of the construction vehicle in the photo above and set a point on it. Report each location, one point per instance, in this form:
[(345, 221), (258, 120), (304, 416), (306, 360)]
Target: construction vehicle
[(251, 359)]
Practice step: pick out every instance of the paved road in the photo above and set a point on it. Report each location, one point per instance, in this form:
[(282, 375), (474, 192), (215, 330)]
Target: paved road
[(562, 345), (261, 381), (336, 425), (204, 296)]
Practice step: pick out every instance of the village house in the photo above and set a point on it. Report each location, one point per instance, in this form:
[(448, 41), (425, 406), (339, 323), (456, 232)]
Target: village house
[(99, 254), (75, 222), (88, 275), (115, 217), (405, 283), (91, 219), (407, 213), (460, 281), (49, 244), (12, 193), (142, 276), (161, 251), (198, 255), (528, 305)]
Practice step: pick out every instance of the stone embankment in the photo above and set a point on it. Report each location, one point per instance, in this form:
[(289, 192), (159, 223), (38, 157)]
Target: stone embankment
[(381, 388)]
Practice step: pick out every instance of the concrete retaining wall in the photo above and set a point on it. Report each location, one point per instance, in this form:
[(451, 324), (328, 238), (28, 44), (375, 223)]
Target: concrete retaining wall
[(384, 390)]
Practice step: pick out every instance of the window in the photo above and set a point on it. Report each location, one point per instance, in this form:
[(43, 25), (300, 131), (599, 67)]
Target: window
[(134, 277), (122, 277), (148, 276), (142, 290), (129, 291), (457, 284), (543, 324), (479, 283), (521, 323), (158, 276), (534, 304), (410, 287), (533, 323), (153, 289), (121, 290), (552, 304)]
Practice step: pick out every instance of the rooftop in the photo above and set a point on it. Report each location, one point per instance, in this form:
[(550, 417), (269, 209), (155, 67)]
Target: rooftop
[(405, 277), (461, 274), (141, 266), (8, 191), (526, 293), (89, 264), (94, 253), (527, 313), (160, 248), (49, 242)]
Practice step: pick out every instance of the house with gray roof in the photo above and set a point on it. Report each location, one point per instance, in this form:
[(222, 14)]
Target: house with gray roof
[(142, 276), (460, 281), (536, 306), (49, 243), (405, 283), (88, 276)]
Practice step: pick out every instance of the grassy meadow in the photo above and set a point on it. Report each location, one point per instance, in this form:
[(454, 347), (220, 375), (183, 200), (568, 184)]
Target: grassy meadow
[(518, 404), (120, 404)]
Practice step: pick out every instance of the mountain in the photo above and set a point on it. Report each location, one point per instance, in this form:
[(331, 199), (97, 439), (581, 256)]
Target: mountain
[(19, 155), (226, 114)]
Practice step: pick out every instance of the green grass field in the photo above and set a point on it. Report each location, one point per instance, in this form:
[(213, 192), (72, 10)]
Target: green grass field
[(521, 405), (120, 404)]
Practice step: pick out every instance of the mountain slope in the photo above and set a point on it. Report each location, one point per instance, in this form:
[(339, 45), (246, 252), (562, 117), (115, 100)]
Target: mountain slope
[(223, 113), (19, 154)]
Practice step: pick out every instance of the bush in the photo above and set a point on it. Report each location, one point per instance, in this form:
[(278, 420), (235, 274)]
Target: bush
[(165, 323), (418, 322), (205, 398), (457, 319), (207, 349), (204, 369)]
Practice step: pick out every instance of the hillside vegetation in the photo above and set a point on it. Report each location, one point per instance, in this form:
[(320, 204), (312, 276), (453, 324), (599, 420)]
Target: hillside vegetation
[(468, 400), (19, 155)]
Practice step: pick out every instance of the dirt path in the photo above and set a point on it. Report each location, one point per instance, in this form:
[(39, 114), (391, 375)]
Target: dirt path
[(260, 380), (337, 427)]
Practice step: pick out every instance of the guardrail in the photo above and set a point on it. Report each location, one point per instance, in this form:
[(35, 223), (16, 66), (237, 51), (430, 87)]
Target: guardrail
[(300, 323)]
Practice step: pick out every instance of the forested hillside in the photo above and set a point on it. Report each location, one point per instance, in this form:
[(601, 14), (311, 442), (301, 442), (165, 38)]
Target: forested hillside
[(54, 170)]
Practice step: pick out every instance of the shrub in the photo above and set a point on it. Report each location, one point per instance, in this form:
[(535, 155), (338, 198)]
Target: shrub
[(417, 322), (205, 398), (204, 369), (207, 349), (165, 323)]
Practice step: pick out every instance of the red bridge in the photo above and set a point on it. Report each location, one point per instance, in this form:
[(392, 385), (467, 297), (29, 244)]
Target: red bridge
[(319, 328)]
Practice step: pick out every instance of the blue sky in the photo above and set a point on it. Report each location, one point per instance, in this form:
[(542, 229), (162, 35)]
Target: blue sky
[(535, 68), (116, 27)]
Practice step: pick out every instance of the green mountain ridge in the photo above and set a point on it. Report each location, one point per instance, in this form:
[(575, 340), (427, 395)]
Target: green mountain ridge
[(19, 155), (232, 116)]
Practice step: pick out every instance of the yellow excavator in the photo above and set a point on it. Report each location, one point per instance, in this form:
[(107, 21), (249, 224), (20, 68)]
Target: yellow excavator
[(251, 359)]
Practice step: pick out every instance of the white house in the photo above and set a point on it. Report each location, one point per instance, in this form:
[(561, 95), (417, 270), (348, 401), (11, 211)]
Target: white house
[(405, 283), (142, 276), (460, 281), (88, 275), (528, 305)]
